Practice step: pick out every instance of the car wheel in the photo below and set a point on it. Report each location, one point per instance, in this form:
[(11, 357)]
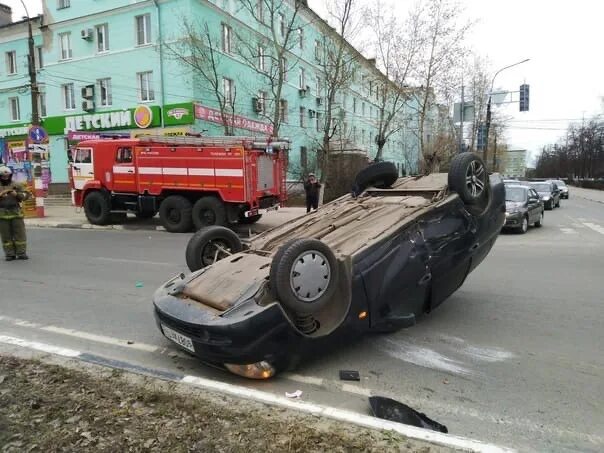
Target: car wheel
[(249, 220), (524, 226), (175, 214), (468, 177), (97, 208), (379, 174), (304, 275), (208, 211), (211, 244), (539, 223)]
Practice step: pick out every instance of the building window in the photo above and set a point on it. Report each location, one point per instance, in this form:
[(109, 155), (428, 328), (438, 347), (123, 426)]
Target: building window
[(318, 50), (105, 92), (354, 105), (38, 56), (302, 79), (260, 11), (302, 117), (261, 101), (283, 110), (228, 89), (63, 4), (102, 38), (318, 86), (354, 133), (301, 38), (65, 44), (145, 86), (42, 104), (282, 25), (284, 68), (261, 58), (143, 29), (363, 109), (68, 96), (304, 159), (15, 113), (319, 123), (226, 38), (11, 62)]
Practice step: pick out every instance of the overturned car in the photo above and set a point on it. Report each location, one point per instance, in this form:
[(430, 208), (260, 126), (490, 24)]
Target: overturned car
[(373, 260)]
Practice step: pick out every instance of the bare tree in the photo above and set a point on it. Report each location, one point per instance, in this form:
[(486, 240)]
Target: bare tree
[(200, 50), (442, 50), (397, 47), (269, 52)]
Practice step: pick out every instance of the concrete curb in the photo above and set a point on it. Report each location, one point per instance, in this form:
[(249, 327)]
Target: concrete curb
[(589, 199), (366, 421)]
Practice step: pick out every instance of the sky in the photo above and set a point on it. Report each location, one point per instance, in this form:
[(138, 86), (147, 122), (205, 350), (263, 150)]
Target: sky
[(562, 40)]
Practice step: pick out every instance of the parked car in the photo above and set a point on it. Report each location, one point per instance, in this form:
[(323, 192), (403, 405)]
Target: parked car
[(564, 192), (523, 207), (371, 261), (548, 192)]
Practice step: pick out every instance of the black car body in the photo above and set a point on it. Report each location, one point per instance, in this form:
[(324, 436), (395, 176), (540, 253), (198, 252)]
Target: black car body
[(399, 252), (548, 192), (564, 192), (523, 207)]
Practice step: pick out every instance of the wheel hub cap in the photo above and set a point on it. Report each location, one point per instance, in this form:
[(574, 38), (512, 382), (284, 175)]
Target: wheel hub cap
[(310, 276), (476, 178)]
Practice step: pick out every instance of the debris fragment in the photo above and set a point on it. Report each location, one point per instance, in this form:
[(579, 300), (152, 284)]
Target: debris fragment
[(349, 375), (139, 284), (395, 411), (296, 394)]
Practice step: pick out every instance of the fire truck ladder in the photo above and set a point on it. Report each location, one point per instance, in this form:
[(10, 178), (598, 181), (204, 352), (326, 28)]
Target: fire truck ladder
[(254, 142)]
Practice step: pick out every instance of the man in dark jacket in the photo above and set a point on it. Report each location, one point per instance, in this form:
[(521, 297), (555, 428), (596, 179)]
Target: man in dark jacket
[(312, 188), (12, 226)]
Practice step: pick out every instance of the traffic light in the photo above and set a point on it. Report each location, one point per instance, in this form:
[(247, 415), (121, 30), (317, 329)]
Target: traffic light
[(524, 97), (482, 132)]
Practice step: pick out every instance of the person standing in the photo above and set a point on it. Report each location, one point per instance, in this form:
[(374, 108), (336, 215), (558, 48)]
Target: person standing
[(312, 188), (12, 225)]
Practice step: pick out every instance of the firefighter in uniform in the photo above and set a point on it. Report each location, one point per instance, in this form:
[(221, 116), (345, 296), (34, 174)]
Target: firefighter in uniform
[(12, 225)]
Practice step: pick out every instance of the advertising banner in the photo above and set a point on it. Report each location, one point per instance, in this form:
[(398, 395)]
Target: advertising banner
[(239, 122)]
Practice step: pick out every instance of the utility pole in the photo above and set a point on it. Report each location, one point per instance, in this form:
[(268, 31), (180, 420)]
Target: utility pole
[(461, 118), (31, 61), (488, 124)]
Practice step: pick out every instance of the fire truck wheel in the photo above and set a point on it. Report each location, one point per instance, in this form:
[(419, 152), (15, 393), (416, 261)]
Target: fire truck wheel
[(175, 214), (249, 220), (208, 211), (304, 275), (97, 208), (211, 244)]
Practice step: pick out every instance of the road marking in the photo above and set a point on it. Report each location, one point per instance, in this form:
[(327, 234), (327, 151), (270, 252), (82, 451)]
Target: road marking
[(568, 231), (350, 388), (125, 260), (303, 379), (101, 338), (597, 228), (65, 352)]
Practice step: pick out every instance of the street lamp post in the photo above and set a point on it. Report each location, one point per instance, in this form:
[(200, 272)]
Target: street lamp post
[(488, 122), (35, 116)]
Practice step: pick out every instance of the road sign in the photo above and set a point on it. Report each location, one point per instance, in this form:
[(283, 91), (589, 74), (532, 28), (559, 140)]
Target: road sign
[(37, 134)]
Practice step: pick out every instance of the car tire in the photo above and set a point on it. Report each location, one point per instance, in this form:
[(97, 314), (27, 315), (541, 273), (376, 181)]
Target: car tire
[(468, 177), (249, 220), (550, 206), (294, 266), (97, 208), (380, 175), (175, 214), (524, 226), (539, 223), (201, 248), (208, 211)]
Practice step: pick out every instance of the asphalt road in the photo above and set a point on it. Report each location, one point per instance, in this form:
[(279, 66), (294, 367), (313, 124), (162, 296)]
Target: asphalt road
[(514, 357)]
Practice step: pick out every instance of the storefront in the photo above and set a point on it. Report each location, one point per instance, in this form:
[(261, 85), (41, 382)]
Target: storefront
[(67, 131)]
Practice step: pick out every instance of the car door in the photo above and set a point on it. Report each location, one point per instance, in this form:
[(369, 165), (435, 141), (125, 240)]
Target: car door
[(82, 167), (124, 172), (533, 206)]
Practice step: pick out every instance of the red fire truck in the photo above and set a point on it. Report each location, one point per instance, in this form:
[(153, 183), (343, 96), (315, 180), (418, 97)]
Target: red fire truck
[(190, 181)]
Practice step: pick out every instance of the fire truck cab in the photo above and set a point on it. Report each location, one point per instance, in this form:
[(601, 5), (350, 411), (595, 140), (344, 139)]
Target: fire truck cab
[(192, 182)]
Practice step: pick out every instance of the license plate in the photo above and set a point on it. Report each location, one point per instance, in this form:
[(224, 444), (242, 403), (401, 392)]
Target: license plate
[(178, 338)]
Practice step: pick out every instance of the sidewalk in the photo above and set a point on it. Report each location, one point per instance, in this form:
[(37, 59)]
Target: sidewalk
[(72, 218), (587, 194)]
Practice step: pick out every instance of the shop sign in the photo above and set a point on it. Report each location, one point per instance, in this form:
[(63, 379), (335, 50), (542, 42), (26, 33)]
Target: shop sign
[(171, 132), (142, 117), (238, 122), (13, 130), (179, 114)]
